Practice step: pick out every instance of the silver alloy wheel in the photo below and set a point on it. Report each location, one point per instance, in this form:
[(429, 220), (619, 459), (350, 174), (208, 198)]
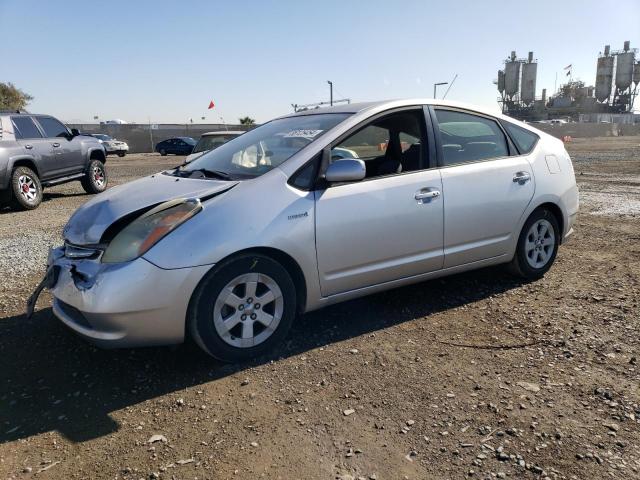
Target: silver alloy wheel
[(248, 310), (28, 188), (540, 243), (98, 176)]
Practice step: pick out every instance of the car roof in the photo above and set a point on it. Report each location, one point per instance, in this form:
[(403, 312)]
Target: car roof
[(385, 104), (22, 112), (223, 132)]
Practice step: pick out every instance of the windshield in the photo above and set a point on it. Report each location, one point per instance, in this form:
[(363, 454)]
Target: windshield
[(264, 148), (103, 137), (212, 141)]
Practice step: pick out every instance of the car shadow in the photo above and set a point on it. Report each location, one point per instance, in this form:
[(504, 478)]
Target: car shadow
[(6, 207), (46, 196), (53, 380)]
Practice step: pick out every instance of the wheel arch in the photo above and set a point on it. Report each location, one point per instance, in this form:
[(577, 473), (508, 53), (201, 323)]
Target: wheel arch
[(555, 209), (97, 154), (288, 262), (28, 162)]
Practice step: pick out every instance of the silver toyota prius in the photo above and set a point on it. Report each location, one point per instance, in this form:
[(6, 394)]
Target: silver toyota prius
[(308, 210)]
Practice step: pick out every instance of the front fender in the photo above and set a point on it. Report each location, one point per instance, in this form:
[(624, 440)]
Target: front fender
[(260, 213)]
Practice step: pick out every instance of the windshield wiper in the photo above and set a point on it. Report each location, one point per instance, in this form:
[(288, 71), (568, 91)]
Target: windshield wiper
[(212, 173)]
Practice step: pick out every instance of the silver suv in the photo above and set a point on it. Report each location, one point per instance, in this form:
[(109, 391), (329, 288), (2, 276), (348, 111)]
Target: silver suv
[(39, 151)]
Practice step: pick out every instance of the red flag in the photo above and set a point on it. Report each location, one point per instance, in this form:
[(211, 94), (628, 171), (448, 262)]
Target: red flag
[(211, 105)]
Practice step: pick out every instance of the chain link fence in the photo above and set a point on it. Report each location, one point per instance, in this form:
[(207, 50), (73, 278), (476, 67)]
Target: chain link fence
[(142, 138)]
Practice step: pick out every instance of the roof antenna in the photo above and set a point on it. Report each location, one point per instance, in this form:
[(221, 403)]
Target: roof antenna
[(450, 85)]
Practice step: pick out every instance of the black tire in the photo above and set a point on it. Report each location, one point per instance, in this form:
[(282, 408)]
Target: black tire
[(163, 152), (26, 189), (121, 154), (200, 319), (520, 265), (95, 179)]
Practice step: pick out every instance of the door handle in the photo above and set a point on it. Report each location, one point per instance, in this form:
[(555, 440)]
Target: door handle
[(28, 147), (56, 145), (425, 196), (521, 178)]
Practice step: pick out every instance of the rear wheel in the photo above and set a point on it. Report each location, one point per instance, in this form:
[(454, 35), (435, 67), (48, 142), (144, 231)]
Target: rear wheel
[(121, 154), (26, 187), (95, 180), (163, 152), (243, 308), (537, 245)]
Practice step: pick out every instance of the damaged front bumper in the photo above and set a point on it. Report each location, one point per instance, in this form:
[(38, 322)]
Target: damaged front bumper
[(122, 305)]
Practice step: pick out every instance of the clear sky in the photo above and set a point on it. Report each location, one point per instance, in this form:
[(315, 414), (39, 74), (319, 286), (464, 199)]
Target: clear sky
[(165, 60)]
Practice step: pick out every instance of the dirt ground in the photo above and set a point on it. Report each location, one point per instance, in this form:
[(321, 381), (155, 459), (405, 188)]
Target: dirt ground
[(472, 376)]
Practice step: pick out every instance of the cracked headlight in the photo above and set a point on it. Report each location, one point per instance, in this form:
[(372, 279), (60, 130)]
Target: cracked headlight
[(148, 229)]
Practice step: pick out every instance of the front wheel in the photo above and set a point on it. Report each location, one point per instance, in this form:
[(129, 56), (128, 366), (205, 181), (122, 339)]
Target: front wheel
[(121, 154), (537, 245), (243, 308), (163, 152), (95, 179)]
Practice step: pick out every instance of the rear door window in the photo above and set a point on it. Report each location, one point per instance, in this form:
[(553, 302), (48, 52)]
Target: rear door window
[(25, 128), (52, 127), (524, 139), (469, 138)]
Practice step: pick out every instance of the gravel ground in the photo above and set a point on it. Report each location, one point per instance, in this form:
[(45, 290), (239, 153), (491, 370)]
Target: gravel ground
[(472, 376)]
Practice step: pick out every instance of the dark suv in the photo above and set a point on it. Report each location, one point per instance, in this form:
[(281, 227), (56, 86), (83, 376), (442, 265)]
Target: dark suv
[(39, 151)]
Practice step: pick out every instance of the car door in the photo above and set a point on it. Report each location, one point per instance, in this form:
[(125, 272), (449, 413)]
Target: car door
[(486, 186), (67, 149), (389, 225), (33, 142), (185, 148)]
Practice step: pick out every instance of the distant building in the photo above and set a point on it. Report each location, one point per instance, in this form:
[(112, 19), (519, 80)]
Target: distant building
[(617, 79)]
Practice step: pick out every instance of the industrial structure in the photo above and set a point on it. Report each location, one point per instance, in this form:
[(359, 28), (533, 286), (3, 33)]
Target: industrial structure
[(617, 79)]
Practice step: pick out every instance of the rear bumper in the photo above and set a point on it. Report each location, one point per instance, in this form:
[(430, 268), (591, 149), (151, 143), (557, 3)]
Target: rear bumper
[(569, 231), (126, 305)]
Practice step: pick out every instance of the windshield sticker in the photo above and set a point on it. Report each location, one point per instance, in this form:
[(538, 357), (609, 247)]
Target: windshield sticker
[(303, 133)]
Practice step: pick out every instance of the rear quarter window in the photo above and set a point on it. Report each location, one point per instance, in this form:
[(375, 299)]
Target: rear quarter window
[(524, 139), (25, 128)]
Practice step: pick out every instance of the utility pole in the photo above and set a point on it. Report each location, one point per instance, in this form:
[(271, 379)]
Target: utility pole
[(330, 92), (435, 86), (150, 134)]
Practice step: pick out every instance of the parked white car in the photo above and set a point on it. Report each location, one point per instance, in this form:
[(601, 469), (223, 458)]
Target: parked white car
[(230, 252), (111, 145)]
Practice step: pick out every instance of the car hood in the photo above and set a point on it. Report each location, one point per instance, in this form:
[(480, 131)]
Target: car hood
[(89, 222)]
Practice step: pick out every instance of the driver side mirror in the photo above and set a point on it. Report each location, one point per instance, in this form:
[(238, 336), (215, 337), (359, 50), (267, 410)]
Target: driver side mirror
[(346, 170), (74, 132)]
